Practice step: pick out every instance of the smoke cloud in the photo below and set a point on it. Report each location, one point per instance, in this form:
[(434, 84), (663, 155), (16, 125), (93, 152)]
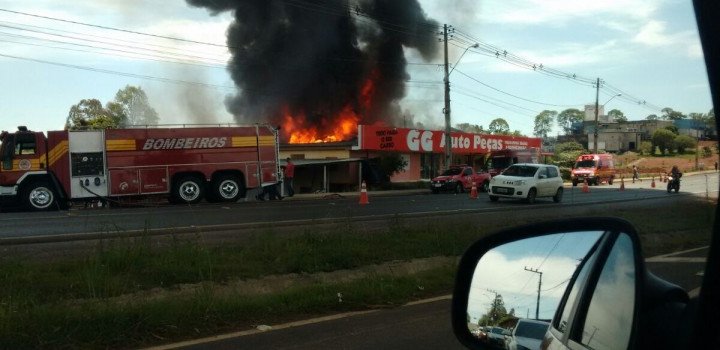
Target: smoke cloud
[(316, 59)]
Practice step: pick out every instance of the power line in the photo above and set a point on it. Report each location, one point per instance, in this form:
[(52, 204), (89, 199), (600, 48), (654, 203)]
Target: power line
[(111, 28), (511, 95), (107, 71)]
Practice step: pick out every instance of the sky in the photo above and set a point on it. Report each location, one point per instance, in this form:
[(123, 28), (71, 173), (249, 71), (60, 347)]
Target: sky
[(647, 49), (502, 271)]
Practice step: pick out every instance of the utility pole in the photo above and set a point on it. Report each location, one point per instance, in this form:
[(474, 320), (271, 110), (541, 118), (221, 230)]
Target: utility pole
[(597, 107), (537, 305), (446, 110)]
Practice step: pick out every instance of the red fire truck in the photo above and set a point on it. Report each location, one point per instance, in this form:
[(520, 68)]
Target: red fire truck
[(188, 164)]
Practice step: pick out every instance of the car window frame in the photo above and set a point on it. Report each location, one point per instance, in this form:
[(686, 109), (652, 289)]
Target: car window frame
[(582, 302)]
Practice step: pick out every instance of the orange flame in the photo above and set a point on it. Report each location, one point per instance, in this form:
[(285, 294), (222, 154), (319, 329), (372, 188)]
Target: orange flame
[(344, 128), (344, 124)]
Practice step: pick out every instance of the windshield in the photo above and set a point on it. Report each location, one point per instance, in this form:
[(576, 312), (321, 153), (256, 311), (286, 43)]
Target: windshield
[(585, 164), (531, 330), (521, 171), (497, 330), (451, 172), (499, 162)]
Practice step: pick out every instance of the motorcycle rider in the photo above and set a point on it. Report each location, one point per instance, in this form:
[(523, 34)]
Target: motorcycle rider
[(675, 172), (675, 176)]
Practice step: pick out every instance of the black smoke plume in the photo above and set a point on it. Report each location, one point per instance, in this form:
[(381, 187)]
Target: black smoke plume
[(314, 58)]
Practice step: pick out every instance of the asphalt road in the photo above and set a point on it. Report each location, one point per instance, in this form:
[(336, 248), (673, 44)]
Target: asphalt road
[(418, 326), (24, 224)]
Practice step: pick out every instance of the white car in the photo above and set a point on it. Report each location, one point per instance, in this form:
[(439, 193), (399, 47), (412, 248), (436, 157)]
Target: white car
[(527, 181), (528, 335)]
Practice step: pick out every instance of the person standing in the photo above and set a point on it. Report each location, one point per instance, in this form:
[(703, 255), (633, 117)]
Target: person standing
[(289, 174), (636, 173)]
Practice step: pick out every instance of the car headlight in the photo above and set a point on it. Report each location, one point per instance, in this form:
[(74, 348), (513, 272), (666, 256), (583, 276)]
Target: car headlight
[(520, 182), (452, 180)]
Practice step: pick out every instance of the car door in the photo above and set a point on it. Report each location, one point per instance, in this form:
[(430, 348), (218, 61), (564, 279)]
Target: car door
[(543, 182)]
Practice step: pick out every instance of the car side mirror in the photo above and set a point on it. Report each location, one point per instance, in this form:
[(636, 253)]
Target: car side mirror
[(585, 277)]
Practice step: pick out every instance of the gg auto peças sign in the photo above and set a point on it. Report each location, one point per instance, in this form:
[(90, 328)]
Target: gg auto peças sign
[(378, 138)]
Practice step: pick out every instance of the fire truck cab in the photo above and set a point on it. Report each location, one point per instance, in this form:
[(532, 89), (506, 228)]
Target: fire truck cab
[(186, 164), (23, 170)]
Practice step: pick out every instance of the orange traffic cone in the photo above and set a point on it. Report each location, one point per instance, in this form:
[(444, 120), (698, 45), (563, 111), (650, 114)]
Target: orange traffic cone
[(652, 184), (473, 191), (586, 188), (363, 194), (622, 183)]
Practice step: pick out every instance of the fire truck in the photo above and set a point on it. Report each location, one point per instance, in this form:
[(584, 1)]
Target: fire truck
[(186, 164)]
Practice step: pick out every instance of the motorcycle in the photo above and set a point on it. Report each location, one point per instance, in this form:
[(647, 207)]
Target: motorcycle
[(674, 183)]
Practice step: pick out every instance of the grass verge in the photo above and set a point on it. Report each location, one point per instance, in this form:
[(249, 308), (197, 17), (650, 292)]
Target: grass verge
[(100, 324), (70, 303)]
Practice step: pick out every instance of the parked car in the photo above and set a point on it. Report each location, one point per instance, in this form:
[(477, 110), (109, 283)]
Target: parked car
[(496, 337), (528, 182), (528, 334), (460, 178)]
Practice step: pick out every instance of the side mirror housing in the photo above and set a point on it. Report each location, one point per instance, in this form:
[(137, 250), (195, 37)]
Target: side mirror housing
[(567, 276)]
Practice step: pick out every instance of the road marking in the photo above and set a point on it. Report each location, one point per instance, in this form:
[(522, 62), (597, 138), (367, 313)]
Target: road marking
[(286, 325), (676, 260), (671, 258)]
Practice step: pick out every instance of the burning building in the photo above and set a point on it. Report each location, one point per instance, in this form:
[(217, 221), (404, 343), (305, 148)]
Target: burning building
[(319, 68)]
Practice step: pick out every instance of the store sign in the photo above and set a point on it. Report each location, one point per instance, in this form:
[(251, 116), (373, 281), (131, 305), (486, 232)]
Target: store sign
[(415, 140)]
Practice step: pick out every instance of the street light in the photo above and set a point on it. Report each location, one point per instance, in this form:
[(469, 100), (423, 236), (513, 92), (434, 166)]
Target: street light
[(595, 144), (446, 110)]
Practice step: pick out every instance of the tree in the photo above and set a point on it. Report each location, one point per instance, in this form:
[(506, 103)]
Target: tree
[(646, 148), (517, 133), (391, 163), (683, 142), (652, 117), (495, 313), (90, 114), (670, 114), (566, 153), (133, 103), (471, 128), (567, 118), (617, 116), (499, 126), (674, 129), (543, 123), (663, 139)]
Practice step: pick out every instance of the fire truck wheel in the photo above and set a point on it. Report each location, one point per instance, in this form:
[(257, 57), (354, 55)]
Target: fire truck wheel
[(227, 188), (39, 196), (610, 181), (189, 190)]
